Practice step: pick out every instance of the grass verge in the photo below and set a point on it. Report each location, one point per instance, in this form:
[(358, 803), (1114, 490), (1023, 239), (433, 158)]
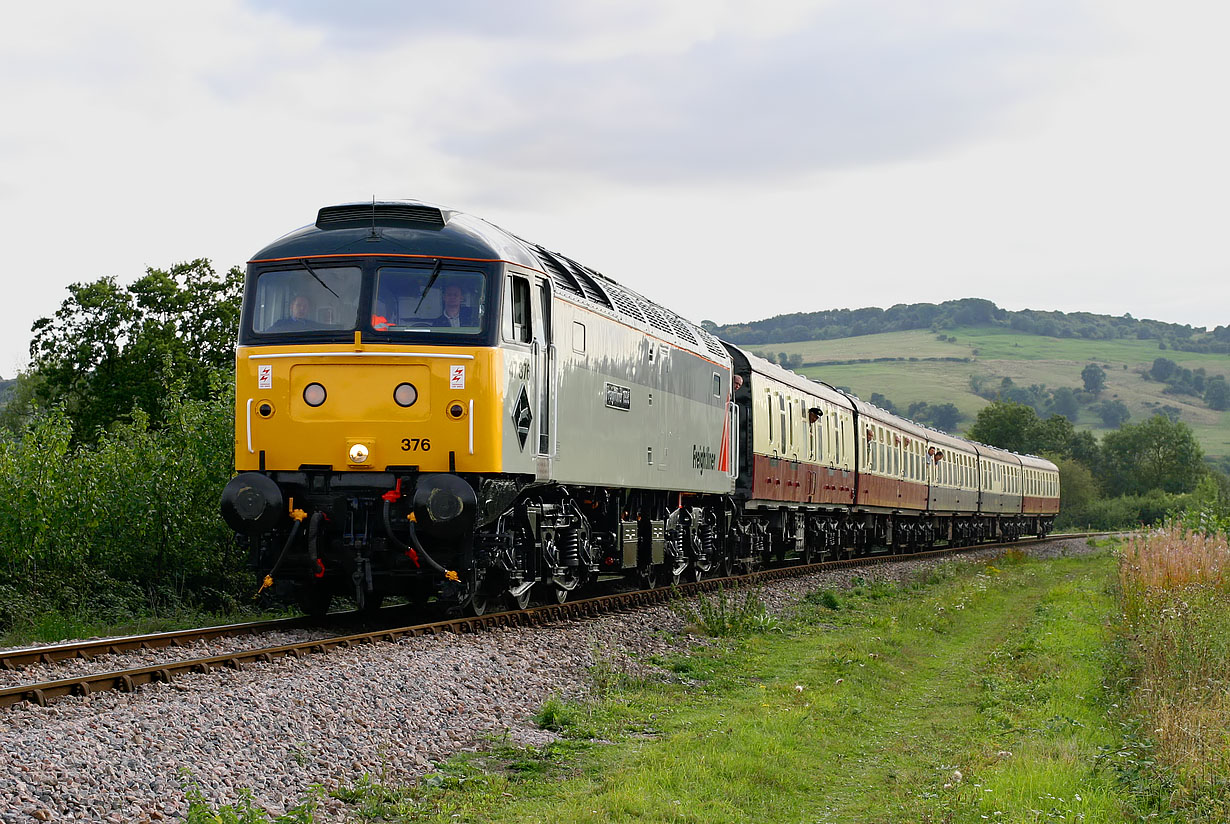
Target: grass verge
[(1175, 685), (974, 692)]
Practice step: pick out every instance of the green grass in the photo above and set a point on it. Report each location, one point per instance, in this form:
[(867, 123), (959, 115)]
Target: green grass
[(994, 344), (974, 693), (1028, 359)]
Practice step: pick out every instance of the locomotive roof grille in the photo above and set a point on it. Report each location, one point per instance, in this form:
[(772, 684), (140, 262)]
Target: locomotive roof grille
[(359, 215), (682, 329), (656, 316), (624, 302), (714, 345), (588, 285), (559, 274)]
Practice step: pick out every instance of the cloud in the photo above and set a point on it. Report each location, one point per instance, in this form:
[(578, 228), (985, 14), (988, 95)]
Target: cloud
[(843, 90), (674, 91)]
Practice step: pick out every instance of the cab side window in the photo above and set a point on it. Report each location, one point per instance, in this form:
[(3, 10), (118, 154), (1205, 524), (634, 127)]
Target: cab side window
[(517, 323)]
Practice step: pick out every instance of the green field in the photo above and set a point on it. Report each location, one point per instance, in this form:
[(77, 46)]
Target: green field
[(994, 354)]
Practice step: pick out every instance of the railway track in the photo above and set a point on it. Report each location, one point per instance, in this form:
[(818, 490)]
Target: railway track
[(128, 680)]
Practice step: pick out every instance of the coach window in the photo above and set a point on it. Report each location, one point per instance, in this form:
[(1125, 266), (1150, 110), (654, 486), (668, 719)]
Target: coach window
[(781, 410), (517, 326), (790, 417), (717, 385), (838, 439), (578, 338), (769, 407)]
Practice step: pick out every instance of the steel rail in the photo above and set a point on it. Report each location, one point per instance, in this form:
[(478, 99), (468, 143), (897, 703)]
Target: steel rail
[(128, 680), (19, 658)]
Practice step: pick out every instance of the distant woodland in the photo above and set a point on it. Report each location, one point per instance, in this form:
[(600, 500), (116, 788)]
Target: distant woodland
[(829, 324)]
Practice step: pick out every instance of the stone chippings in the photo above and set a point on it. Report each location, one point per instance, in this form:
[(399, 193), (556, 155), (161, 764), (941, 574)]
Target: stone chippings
[(388, 710)]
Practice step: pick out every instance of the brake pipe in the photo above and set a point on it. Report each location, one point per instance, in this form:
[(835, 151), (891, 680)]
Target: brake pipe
[(295, 529), (414, 539), (313, 536)]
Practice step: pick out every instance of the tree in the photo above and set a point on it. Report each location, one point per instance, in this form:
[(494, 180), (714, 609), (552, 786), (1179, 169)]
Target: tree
[(1094, 378), (110, 349), (1064, 402), (1084, 448), (945, 416), (1113, 413), (884, 403), (1162, 369), (1217, 393), (1052, 436), (1155, 454), (1007, 425), (1077, 488)]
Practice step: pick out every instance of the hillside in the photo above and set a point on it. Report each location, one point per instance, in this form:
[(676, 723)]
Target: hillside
[(917, 365)]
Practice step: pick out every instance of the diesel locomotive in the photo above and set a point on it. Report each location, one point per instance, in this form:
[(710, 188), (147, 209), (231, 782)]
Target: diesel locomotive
[(428, 406)]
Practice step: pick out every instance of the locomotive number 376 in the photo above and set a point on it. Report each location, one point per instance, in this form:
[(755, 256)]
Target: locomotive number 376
[(416, 444)]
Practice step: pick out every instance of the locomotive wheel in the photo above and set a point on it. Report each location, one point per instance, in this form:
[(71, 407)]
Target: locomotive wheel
[(726, 566), (649, 577), (480, 599), (479, 602), (518, 601)]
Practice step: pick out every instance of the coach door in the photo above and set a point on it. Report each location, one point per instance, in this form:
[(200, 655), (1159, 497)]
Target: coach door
[(545, 367)]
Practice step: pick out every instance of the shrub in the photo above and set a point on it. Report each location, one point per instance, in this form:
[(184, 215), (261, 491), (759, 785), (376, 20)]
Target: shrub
[(129, 524), (725, 615)]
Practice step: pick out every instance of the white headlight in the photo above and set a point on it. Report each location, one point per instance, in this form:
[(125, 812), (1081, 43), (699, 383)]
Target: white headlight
[(405, 394), (358, 453), (314, 394)]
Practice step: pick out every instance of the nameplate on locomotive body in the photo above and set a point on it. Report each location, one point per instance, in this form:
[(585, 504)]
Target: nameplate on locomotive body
[(618, 397)]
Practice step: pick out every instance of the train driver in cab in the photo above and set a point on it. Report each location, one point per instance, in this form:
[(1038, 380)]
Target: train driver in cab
[(455, 313), (299, 317)]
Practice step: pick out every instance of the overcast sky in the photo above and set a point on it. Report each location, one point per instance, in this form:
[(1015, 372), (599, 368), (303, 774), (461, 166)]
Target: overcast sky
[(731, 160)]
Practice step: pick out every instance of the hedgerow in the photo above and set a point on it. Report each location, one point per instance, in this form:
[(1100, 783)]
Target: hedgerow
[(128, 525)]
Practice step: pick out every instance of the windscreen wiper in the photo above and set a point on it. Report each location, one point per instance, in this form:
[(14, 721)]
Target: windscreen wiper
[(312, 272), (435, 273)]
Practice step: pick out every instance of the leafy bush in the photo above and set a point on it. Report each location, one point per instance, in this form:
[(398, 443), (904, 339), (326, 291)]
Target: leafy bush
[(1207, 513), (726, 616), (128, 525), (1124, 512)]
